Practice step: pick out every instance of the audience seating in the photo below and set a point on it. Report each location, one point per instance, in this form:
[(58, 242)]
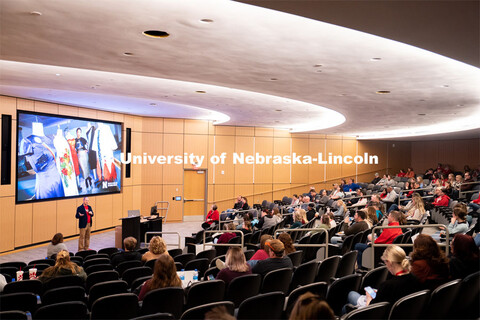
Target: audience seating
[(122, 266), (411, 306), (50, 262), (304, 275), (346, 266), (374, 277), (327, 269), (14, 315), (33, 286), (168, 300), (138, 282), (106, 288), (242, 288), (296, 257), (62, 310), (63, 294), (319, 288), (22, 301), (100, 276), (209, 254), (373, 311), (338, 291), (156, 316), (108, 251), (466, 302), (200, 264), (16, 264), (63, 281), (98, 267), (85, 253), (205, 292), (117, 306), (262, 306), (92, 262), (78, 260), (442, 299), (198, 312), (277, 280), (184, 258), (131, 274), (96, 256)]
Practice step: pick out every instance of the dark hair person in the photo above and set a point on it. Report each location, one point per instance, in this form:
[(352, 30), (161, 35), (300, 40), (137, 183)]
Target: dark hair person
[(164, 275), (428, 263), (464, 259), (56, 245), (311, 306), (287, 242)]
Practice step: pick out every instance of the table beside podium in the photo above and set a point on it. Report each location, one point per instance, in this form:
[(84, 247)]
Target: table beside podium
[(137, 227)]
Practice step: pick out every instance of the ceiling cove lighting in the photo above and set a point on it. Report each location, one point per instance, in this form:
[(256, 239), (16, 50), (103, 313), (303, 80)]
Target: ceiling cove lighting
[(156, 34)]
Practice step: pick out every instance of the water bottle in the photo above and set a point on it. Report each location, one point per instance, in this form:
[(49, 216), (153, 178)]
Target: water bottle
[(182, 275), (195, 275)]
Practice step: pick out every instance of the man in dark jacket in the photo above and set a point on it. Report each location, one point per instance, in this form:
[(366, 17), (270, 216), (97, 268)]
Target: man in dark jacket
[(85, 220), (129, 254)]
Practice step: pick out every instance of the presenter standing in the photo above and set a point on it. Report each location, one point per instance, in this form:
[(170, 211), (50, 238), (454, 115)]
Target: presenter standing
[(84, 216)]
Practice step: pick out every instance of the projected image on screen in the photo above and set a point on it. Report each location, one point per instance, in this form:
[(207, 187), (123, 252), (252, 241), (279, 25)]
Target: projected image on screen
[(61, 157)]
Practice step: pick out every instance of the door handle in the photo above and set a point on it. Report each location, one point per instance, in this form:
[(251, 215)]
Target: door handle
[(190, 200)]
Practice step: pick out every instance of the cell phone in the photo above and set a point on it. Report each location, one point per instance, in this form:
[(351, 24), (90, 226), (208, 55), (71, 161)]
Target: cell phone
[(211, 277), (371, 292)]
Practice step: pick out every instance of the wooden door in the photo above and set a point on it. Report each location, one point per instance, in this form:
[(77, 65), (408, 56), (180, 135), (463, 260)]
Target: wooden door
[(194, 194)]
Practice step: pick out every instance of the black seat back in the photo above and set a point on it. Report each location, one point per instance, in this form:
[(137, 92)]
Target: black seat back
[(243, 287), (168, 300), (117, 306), (262, 306), (411, 306), (277, 280)]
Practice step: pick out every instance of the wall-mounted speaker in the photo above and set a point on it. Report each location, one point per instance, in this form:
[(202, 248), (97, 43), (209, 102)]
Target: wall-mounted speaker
[(6, 161), (128, 149)]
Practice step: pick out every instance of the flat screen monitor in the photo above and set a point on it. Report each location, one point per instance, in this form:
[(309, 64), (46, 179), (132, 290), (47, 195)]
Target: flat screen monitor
[(65, 157)]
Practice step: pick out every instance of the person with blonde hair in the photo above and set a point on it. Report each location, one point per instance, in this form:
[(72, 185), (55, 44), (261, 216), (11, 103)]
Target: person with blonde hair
[(417, 209), (342, 208), (235, 265), (401, 283), (63, 267), (311, 306), (297, 219), (156, 247), (372, 218), (164, 276)]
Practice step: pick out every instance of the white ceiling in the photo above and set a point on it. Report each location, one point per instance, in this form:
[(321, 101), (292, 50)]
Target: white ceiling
[(253, 66)]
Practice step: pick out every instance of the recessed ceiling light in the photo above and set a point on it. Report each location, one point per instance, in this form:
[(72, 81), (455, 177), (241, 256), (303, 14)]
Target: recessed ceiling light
[(422, 100), (317, 65), (273, 79), (459, 105), (446, 86), (375, 59), (36, 13), (128, 54), (153, 104), (383, 92), (206, 20), (58, 74), (278, 110), (422, 114), (276, 121), (200, 91), (156, 33)]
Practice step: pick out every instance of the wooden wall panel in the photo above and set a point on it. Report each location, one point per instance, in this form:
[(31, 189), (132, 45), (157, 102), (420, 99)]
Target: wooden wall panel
[(300, 171), (334, 171), (46, 107), (196, 127), (349, 147), (423, 152), (281, 172), (281, 133), (137, 197), (152, 144), (23, 224), (87, 113), (175, 212), (68, 111), (399, 156), (224, 196), (150, 195), (173, 125), (316, 172), (264, 146), (225, 144), (127, 200), (105, 115), (261, 192), (245, 131), (198, 146), (379, 148), (24, 104), (245, 190), (263, 132), (173, 145), (104, 211), (7, 223), (44, 221), (281, 190), (244, 172), (117, 209), (224, 130), (153, 125), (66, 221)]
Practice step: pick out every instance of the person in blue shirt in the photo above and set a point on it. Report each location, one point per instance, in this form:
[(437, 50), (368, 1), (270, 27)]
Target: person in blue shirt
[(351, 186)]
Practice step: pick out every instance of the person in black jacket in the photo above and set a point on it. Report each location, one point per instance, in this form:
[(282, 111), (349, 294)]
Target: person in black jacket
[(85, 220), (129, 254)]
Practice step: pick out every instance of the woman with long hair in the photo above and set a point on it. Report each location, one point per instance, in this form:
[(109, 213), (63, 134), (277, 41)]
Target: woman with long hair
[(429, 263), (156, 248), (372, 218), (287, 242), (63, 267), (235, 265), (417, 210), (464, 259), (56, 245), (164, 276), (401, 284)]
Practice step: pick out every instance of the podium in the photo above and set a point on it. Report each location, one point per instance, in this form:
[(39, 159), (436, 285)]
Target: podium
[(131, 228)]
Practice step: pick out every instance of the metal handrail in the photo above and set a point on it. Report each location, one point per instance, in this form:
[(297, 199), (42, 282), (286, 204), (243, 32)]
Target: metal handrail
[(461, 193), (424, 197), (163, 208), (380, 245), (307, 244), (164, 232), (241, 244)]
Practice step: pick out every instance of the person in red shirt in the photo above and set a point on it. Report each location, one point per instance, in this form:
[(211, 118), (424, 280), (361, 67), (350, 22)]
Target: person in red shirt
[(442, 200), (225, 237), (212, 216), (85, 220)]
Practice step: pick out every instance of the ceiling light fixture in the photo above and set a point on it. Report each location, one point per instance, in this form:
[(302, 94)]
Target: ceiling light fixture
[(156, 33), (375, 59), (317, 66), (382, 92), (153, 104), (206, 20), (128, 54), (273, 79), (58, 74), (36, 13), (278, 110), (200, 91)]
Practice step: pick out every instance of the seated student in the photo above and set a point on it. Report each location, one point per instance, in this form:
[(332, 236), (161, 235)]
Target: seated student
[(268, 219), (63, 267), (474, 205), (311, 213), (464, 258), (212, 217), (164, 276), (261, 253), (442, 200), (129, 254), (428, 262), (246, 227), (352, 227), (359, 200), (395, 218), (401, 174), (156, 248), (351, 186), (225, 237), (287, 242), (312, 194), (458, 223), (341, 208), (234, 266), (410, 173), (56, 245), (372, 219), (276, 260), (323, 198), (401, 284), (376, 179), (297, 220), (335, 195), (294, 204)]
